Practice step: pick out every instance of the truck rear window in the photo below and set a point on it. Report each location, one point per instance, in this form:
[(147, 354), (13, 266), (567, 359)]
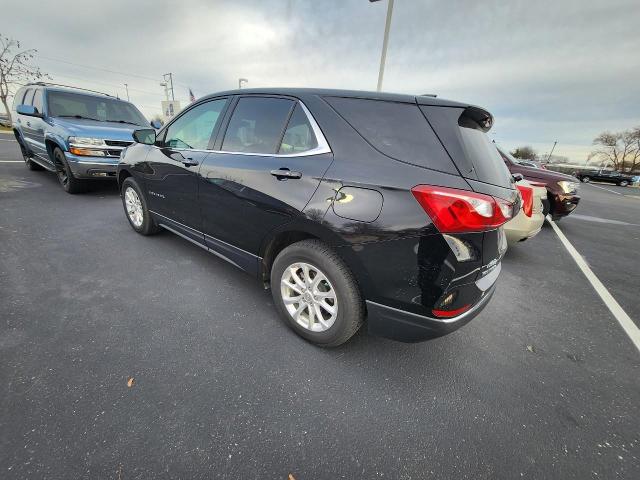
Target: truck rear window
[(398, 130)]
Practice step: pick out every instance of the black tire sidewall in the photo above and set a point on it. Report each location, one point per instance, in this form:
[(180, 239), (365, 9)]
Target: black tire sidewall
[(344, 286), (73, 184), (148, 225)]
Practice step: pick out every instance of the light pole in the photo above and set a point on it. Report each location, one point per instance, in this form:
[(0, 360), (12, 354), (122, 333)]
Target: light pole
[(170, 82), (126, 87), (385, 41), (552, 149), (241, 81)]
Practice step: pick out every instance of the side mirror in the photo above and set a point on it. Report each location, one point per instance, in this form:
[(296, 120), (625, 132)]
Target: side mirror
[(145, 135), (157, 124), (517, 177), (28, 110)]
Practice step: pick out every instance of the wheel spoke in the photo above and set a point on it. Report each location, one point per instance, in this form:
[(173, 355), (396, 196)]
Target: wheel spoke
[(330, 309), (293, 286), (311, 316), (292, 300)]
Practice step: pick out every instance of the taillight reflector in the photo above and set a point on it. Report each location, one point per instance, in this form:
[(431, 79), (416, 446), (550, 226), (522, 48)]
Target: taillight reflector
[(527, 199), (451, 313), (457, 211)]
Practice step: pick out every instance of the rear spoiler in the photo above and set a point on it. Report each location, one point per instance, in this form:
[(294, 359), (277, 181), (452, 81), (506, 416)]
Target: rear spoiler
[(477, 115)]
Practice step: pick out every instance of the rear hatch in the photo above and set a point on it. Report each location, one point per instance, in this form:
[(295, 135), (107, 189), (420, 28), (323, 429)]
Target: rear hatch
[(463, 133)]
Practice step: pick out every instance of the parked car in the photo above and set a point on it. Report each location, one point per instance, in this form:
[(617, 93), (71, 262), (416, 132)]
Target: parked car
[(530, 163), (603, 175), (562, 190), (77, 134), (347, 204), (4, 120), (528, 222)]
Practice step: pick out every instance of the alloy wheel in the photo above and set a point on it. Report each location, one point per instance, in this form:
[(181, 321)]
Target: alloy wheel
[(309, 297), (134, 207), (61, 171)]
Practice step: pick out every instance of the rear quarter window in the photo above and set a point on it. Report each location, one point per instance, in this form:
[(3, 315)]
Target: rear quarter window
[(398, 130)]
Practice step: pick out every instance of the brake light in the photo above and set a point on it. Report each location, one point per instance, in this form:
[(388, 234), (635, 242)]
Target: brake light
[(457, 211), (527, 199)]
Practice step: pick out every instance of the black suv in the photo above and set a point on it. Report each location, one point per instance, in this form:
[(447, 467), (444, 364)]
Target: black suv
[(603, 175), (349, 205)]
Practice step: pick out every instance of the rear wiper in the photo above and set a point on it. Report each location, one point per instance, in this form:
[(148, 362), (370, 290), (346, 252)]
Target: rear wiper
[(80, 116)]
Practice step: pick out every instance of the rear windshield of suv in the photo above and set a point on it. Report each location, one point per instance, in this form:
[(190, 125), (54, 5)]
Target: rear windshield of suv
[(398, 130), (466, 140), (103, 109), (482, 152)]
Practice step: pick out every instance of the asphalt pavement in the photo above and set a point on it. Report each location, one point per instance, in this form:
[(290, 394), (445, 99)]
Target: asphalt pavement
[(129, 357)]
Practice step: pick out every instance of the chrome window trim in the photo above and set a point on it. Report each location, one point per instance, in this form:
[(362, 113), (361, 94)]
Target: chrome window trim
[(323, 145)]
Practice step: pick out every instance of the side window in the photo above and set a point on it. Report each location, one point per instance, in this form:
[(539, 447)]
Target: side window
[(28, 96), (37, 100), (299, 136), (195, 127), (256, 125), (17, 99)]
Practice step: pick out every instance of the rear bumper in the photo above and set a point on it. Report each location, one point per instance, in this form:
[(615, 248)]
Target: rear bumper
[(404, 326), (92, 167)]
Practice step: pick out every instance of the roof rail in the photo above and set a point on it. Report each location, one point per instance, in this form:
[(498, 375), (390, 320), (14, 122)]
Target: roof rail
[(49, 84)]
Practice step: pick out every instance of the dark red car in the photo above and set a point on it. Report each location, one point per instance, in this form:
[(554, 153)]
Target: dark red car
[(562, 189)]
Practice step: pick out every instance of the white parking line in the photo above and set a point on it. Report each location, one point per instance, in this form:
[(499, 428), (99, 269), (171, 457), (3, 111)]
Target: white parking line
[(7, 140), (614, 307), (607, 189)]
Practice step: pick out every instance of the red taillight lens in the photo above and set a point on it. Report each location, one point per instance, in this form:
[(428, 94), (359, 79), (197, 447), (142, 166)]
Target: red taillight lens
[(456, 211), (527, 199), (450, 313)]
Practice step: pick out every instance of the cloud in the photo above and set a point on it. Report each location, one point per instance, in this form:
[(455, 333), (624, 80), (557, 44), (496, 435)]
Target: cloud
[(548, 70)]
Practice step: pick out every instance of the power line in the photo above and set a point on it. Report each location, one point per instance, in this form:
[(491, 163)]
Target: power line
[(117, 72), (129, 74)]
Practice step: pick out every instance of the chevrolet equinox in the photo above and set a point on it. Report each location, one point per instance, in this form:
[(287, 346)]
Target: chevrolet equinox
[(348, 205)]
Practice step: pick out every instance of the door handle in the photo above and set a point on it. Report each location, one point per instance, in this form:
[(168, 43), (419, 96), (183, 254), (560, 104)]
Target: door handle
[(28, 124), (285, 173), (189, 162)]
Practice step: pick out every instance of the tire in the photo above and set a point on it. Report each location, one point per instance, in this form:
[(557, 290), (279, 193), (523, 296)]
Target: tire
[(141, 221), (30, 164), (69, 183), (338, 286), (623, 183), (585, 179)]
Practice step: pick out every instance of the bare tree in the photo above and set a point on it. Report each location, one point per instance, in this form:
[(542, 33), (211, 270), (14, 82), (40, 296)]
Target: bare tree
[(618, 148), (15, 67), (526, 152)]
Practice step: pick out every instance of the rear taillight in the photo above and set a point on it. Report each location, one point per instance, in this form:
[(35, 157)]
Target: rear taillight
[(456, 211), (527, 199)]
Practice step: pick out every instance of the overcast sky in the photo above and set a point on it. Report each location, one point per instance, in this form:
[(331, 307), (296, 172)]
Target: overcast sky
[(560, 70)]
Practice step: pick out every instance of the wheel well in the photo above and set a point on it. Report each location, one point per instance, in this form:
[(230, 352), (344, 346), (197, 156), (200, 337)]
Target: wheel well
[(50, 144), (276, 245), (122, 176)]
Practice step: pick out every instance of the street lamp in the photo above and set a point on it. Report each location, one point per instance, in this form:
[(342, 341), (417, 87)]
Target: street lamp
[(126, 86), (241, 81), (383, 56)]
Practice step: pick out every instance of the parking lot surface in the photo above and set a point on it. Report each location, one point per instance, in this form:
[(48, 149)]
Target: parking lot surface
[(543, 384)]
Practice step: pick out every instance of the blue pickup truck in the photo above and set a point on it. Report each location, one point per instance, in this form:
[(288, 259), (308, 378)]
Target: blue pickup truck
[(76, 133)]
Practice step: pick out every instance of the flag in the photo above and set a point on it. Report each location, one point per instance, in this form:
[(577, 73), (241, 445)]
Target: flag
[(192, 97)]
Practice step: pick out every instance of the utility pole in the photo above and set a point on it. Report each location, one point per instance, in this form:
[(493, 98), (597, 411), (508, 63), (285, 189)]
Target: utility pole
[(385, 41), (241, 81), (169, 82), (127, 89), (552, 149)]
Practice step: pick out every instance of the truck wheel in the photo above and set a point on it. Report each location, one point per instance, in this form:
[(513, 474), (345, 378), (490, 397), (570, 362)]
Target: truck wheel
[(69, 183), (136, 209), (586, 179), (316, 293), (31, 165)]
